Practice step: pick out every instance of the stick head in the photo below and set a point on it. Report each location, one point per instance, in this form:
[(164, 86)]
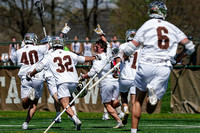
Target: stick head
[(40, 7)]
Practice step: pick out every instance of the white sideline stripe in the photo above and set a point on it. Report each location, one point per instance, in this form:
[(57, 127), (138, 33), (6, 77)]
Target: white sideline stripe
[(182, 126), (13, 125)]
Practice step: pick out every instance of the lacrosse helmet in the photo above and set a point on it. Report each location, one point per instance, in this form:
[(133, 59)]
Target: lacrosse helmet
[(57, 41), (157, 9), (46, 39), (30, 38), (130, 34)]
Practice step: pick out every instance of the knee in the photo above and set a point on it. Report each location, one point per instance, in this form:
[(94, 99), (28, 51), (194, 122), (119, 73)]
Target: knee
[(25, 106), (25, 103)]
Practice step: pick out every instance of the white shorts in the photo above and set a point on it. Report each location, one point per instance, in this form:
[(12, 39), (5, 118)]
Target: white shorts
[(66, 89), (126, 85), (109, 91), (26, 86), (156, 77), (51, 83)]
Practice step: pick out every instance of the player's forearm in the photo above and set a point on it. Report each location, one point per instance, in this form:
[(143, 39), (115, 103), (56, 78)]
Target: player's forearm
[(85, 76), (89, 58), (33, 73)]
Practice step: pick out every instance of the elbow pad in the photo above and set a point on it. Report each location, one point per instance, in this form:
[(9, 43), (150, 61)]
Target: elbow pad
[(39, 67), (129, 49), (190, 48), (81, 59)]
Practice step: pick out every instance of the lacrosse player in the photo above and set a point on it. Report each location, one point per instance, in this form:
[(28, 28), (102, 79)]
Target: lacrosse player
[(109, 87), (62, 65), (27, 58), (160, 39), (50, 80), (127, 75)]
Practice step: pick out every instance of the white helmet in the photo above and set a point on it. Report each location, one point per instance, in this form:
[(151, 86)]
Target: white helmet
[(130, 34), (157, 9), (57, 41), (30, 38)]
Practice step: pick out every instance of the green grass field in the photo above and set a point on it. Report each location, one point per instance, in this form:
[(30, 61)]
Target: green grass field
[(11, 121)]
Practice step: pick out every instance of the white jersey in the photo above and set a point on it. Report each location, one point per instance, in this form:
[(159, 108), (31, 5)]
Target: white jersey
[(27, 58), (76, 46), (47, 72), (62, 65), (97, 65), (115, 44), (87, 49), (128, 68), (160, 39)]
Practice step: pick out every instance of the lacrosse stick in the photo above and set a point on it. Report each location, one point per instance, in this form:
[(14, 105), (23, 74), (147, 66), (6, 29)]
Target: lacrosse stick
[(114, 53), (40, 9), (117, 65), (80, 93)]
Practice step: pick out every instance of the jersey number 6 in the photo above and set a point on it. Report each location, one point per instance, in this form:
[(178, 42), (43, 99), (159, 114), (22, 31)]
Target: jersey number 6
[(162, 38)]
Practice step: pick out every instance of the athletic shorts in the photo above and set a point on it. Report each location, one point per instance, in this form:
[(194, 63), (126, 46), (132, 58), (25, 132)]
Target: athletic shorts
[(109, 91), (126, 85), (66, 89), (26, 86), (149, 76), (51, 84)]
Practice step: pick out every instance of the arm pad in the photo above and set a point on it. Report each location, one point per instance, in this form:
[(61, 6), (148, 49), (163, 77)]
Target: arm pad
[(129, 49), (190, 48), (39, 67), (81, 59)]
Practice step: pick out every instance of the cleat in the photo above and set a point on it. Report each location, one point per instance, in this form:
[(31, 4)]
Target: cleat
[(105, 116), (125, 118), (58, 120), (119, 125), (77, 123), (32, 94), (152, 97), (25, 125)]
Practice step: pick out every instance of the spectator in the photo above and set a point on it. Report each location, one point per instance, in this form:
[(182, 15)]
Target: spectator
[(76, 46), (14, 46), (88, 49), (115, 43)]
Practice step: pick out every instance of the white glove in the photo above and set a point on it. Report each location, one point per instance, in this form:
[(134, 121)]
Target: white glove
[(65, 29), (99, 31), (98, 57), (80, 78), (22, 44)]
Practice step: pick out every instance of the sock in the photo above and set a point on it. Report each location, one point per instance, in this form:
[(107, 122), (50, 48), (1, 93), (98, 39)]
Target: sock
[(57, 113), (118, 109), (105, 110), (133, 130), (74, 109), (125, 108)]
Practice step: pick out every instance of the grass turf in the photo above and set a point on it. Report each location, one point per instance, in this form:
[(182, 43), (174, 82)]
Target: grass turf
[(11, 121)]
